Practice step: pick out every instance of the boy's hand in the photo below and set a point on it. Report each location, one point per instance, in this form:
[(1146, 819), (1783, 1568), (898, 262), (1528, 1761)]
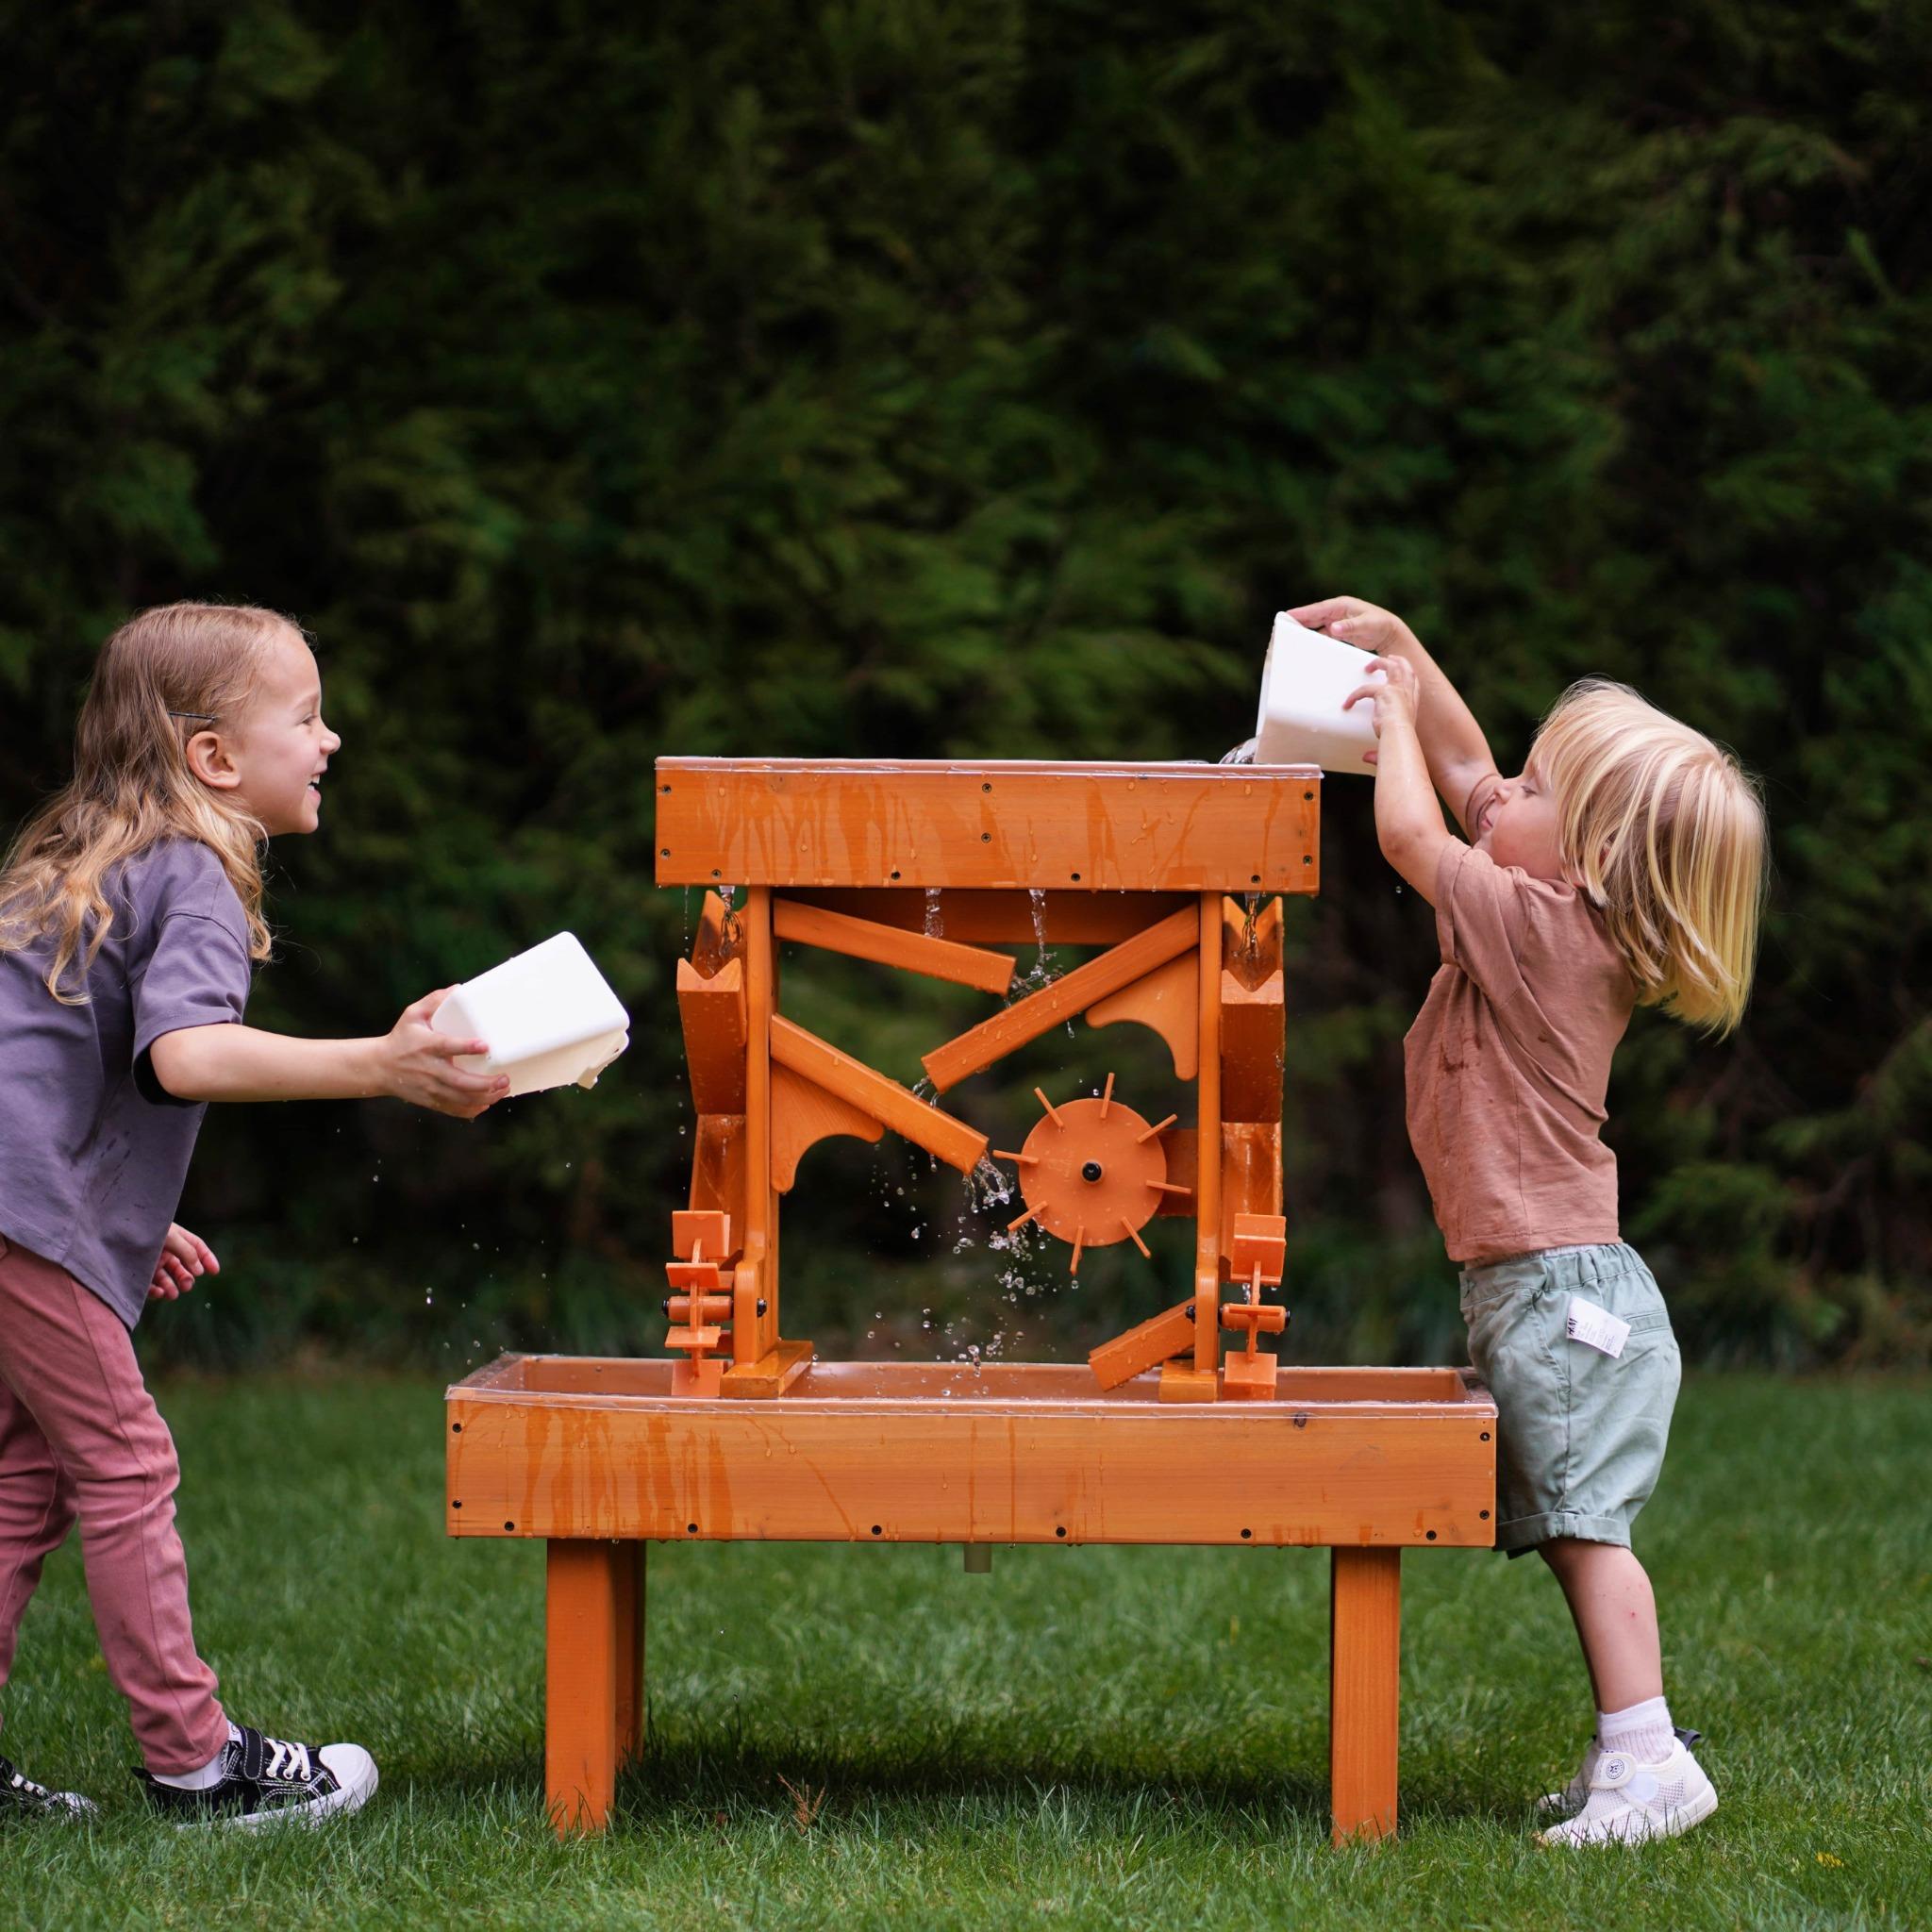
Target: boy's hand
[(1367, 626), (416, 1064), (1394, 700), (184, 1256)]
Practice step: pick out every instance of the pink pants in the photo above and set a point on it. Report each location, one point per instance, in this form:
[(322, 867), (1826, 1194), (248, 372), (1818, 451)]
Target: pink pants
[(80, 1437)]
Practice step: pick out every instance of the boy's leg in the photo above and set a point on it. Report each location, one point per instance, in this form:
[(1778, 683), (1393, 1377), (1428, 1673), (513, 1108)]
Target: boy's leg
[(1615, 1612), (69, 1360), (36, 1512)]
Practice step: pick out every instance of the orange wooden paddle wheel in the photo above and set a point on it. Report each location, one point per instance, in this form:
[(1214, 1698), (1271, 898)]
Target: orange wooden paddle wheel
[(1171, 877)]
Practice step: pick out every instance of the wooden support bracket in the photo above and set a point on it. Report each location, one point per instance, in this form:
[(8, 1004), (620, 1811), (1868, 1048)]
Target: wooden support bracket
[(1167, 1000), (974, 1051), (871, 1093), (802, 1114)]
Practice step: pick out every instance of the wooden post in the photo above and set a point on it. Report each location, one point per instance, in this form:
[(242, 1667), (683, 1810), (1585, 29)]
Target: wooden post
[(630, 1653), (1207, 1141), (584, 1597), (752, 1335), (1364, 1672)]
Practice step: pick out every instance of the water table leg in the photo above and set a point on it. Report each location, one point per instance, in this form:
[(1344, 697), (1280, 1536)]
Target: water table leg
[(593, 1675), (1365, 1661)]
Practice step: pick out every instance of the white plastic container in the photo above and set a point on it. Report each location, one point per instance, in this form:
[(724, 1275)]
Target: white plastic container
[(548, 1014), (1302, 684)]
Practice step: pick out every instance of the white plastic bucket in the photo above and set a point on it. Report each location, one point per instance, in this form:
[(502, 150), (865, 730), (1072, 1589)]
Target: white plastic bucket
[(1302, 684), (548, 1014)]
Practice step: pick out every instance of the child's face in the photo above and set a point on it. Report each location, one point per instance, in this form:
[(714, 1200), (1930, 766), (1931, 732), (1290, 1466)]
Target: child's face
[(272, 757), (1518, 826)]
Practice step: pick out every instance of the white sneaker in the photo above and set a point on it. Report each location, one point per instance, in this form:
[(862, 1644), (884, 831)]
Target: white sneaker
[(1629, 1802), (1570, 1799)]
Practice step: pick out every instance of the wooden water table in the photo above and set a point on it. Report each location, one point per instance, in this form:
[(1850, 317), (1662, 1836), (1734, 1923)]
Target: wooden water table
[(1172, 876)]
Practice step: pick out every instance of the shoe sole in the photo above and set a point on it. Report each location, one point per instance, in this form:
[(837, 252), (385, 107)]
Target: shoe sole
[(1676, 1823), (351, 1795)]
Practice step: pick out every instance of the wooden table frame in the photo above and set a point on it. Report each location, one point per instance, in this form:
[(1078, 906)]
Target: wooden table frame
[(597, 1457)]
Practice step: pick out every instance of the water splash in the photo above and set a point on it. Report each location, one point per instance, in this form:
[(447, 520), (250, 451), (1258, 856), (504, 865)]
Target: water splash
[(935, 916)]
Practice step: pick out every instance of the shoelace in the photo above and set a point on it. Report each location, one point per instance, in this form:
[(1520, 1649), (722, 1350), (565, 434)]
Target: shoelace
[(288, 1760)]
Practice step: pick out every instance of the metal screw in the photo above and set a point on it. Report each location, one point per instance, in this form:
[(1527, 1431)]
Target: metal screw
[(1090, 1172)]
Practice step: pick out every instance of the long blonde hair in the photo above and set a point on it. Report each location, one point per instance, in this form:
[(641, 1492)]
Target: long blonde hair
[(162, 677), (1666, 832)]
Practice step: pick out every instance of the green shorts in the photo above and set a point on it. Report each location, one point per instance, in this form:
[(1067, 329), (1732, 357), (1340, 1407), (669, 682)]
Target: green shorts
[(1580, 1434)]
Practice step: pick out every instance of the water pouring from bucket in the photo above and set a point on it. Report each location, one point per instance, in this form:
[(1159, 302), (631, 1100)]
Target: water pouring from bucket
[(550, 1017), (1303, 683)]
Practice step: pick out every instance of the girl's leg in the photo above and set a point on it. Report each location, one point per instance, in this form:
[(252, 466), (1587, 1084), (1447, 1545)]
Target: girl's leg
[(69, 1361), (36, 1512), (1615, 1611)]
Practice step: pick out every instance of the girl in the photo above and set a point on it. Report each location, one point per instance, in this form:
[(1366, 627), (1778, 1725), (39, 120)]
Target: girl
[(130, 919), (1625, 865)]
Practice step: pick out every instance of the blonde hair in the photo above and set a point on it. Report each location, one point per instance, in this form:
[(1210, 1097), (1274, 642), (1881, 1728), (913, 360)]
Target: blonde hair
[(1666, 832), (162, 677)]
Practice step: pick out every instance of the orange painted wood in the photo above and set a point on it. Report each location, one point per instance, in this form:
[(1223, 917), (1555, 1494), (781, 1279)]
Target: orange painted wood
[(802, 1114), (1250, 1170), (720, 937), (1168, 1000), (1364, 1684), (1251, 948), (715, 1031), (1008, 918), (893, 945), (1208, 1233), (1019, 1453), (926, 1126), (1097, 827), (584, 1594), (1072, 993), (631, 1654), (757, 1279), (1143, 1347), (717, 1171), (771, 1375)]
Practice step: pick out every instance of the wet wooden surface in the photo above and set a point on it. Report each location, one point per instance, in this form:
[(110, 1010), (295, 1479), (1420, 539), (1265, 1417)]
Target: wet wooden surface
[(990, 825), (561, 1447)]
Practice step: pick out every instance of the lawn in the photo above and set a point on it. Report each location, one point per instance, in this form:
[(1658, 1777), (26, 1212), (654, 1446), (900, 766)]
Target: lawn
[(1087, 1736)]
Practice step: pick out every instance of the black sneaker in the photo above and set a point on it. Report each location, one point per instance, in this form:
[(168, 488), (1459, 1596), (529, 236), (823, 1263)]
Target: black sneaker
[(20, 1797), (264, 1779)]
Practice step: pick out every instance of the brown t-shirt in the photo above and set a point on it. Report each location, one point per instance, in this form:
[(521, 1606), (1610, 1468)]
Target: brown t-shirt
[(1509, 1061)]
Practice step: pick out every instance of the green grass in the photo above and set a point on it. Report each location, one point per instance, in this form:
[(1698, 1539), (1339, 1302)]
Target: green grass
[(1089, 1737)]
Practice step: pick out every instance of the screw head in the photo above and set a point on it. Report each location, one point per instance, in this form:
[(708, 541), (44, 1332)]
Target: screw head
[(1090, 1172)]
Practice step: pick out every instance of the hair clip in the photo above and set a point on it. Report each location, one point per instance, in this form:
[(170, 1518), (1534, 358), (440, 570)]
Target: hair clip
[(206, 717)]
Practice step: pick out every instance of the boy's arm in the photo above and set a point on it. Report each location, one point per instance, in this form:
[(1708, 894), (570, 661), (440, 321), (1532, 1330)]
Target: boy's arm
[(1408, 822), (411, 1063), (1453, 745)]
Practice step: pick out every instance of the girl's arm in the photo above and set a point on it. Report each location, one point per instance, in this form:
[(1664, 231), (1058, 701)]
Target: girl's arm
[(1453, 745), (1408, 822), (411, 1063)]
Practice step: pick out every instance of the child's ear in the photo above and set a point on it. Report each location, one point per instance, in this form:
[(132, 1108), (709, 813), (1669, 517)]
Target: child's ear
[(209, 760)]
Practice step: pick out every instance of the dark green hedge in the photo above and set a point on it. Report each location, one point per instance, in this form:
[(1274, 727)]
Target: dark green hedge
[(932, 378)]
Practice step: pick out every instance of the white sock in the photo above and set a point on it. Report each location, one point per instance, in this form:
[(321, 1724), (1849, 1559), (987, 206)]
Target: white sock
[(206, 1777), (1642, 1732)]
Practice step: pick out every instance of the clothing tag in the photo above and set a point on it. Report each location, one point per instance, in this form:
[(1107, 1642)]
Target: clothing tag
[(1596, 1328)]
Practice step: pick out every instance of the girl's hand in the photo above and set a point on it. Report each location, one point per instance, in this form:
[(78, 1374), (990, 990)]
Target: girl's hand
[(1394, 700), (1367, 626), (416, 1064), (184, 1256)]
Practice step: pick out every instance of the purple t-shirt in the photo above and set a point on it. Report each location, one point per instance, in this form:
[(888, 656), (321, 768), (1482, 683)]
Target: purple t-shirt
[(92, 1151)]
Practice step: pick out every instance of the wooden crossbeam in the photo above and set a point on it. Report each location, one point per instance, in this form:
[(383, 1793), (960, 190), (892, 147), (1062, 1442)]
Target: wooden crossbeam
[(1072, 993), (893, 945), (872, 1092)]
